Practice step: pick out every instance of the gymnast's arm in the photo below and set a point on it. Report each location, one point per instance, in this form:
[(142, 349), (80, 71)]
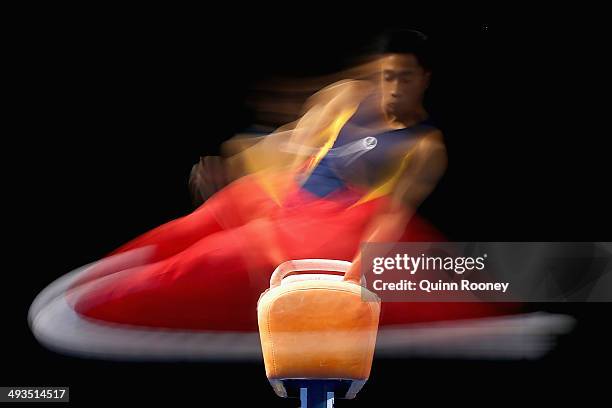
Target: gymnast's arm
[(212, 173), (418, 180)]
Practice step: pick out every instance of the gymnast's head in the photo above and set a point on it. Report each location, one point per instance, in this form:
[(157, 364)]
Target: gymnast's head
[(404, 74)]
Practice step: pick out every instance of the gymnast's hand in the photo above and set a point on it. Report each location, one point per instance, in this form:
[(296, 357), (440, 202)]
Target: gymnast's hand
[(207, 177)]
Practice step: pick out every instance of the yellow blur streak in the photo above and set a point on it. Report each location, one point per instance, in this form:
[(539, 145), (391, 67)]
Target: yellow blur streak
[(389, 185), (317, 130)]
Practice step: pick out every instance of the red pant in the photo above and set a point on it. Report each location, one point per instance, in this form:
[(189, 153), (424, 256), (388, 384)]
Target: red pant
[(206, 270)]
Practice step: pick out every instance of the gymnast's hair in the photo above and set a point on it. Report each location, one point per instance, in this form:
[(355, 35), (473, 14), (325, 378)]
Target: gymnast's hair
[(404, 41)]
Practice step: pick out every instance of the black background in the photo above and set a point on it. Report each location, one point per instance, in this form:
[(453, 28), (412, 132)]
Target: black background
[(112, 112)]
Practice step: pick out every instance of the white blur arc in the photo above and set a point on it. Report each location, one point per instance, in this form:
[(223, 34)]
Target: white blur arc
[(58, 327)]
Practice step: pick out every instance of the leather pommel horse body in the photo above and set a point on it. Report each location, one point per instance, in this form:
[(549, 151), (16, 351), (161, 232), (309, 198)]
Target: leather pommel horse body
[(318, 331)]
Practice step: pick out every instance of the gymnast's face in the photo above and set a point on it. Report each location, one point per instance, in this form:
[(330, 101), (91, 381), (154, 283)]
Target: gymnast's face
[(403, 84)]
